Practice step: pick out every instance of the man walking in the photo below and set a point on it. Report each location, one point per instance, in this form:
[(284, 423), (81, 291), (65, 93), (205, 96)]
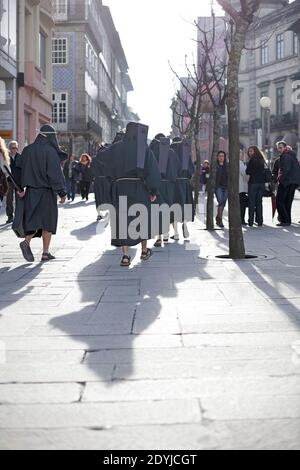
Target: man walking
[(289, 180), (16, 173), (71, 174), (43, 181)]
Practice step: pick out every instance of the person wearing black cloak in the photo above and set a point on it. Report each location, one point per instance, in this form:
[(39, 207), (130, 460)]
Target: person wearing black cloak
[(43, 180), (184, 191), (169, 169), (136, 180), (102, 184)]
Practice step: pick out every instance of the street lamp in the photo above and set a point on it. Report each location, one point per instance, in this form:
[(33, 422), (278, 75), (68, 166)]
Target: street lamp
[(265, 104)]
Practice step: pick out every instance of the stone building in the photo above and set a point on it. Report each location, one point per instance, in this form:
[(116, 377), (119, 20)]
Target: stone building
[(8, 69), (269, 68), (91, 80)]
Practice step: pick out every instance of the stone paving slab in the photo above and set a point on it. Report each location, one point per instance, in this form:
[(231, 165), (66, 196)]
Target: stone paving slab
[(184, 351)]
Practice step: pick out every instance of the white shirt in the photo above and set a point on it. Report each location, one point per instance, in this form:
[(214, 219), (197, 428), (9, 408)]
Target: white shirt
[(244, 179)]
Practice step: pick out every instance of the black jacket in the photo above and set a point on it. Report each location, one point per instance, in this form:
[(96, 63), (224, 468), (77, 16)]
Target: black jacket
[(289, 169), (75, 170), (15, 169), (222, 176), (256, 171)]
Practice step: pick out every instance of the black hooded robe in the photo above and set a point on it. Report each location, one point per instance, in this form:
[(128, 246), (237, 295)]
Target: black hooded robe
[(102, 184), (136, 184), (43, 179), (183, 191)]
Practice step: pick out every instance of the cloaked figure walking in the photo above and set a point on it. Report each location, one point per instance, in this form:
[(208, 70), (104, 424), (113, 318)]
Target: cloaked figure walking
[(43, 182), (135, 186)]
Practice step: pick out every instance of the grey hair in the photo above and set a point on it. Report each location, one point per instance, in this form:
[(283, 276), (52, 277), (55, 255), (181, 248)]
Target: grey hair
[(13, 142)]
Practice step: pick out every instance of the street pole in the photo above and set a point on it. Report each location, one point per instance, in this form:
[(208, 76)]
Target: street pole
[(268, 111)]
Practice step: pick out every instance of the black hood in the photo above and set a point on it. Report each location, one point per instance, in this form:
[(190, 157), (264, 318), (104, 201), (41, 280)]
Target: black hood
[(48, 134)]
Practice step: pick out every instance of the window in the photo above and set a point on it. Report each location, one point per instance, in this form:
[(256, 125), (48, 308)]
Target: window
[(42, 63), (60, 108), (61, 10), (279, 46), (280, 101), (264, 51), (60, 51), (295, 43)]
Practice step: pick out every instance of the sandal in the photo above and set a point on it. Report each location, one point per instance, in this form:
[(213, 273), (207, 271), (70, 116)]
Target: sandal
[(47, 257), (126, 261), (146, 255), (158, 244)]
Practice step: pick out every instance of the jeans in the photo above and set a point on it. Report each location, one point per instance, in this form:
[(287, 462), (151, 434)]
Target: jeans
[(71, 188), (285, 198), (256, 194), (222, 197)]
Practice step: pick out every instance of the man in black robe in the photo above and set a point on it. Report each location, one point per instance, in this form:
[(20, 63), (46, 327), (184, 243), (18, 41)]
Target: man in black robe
[(169, 167), (184, 191), (43, 180), (136, 178)]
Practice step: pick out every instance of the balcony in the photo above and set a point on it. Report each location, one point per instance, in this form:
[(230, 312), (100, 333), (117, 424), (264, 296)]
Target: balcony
[(34, 78), (106, 100), (95, 128), (285, 122)]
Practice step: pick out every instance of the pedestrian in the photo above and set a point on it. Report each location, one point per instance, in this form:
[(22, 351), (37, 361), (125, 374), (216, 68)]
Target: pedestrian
[(256, 169), (289, 180), (169, 169), (102, 185), (183, 190), (11, 196), (4, 161), (71, 174), (243, 184), (221, 189), (204, 175), (136, 178), (42, 180), (86, 175)]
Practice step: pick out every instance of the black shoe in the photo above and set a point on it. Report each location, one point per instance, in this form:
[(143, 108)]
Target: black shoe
[(9, 221), (283, 225), (26, 251)]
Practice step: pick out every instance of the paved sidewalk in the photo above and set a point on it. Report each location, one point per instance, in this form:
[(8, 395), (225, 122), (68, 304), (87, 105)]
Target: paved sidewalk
[(183, 352)]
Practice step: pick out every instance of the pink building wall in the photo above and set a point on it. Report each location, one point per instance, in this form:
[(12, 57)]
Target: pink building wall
[(32, 99)]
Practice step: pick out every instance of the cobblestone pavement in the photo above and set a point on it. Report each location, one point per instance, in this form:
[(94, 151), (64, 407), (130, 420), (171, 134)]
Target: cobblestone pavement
[(185, 351)]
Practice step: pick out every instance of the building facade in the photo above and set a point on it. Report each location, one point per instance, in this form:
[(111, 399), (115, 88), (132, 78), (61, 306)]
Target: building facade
[(35, 29), (90, 76), (8, 69), (269, 68)]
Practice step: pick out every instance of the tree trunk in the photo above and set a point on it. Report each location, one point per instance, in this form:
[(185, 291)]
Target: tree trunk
[(198, 170), (236, 240), (213, 170)]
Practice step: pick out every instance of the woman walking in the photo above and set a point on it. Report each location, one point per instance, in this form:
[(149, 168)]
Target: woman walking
[(221, 186), (86, 175), (256, 170)]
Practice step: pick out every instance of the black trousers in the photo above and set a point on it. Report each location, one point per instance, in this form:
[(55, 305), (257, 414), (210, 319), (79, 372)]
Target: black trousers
[(284, 200), (244, 203), (11, 194), (85, 189)]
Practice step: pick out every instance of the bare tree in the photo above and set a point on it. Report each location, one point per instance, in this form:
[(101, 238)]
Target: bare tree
[(213, 67), (241, 22), (188, 112)]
